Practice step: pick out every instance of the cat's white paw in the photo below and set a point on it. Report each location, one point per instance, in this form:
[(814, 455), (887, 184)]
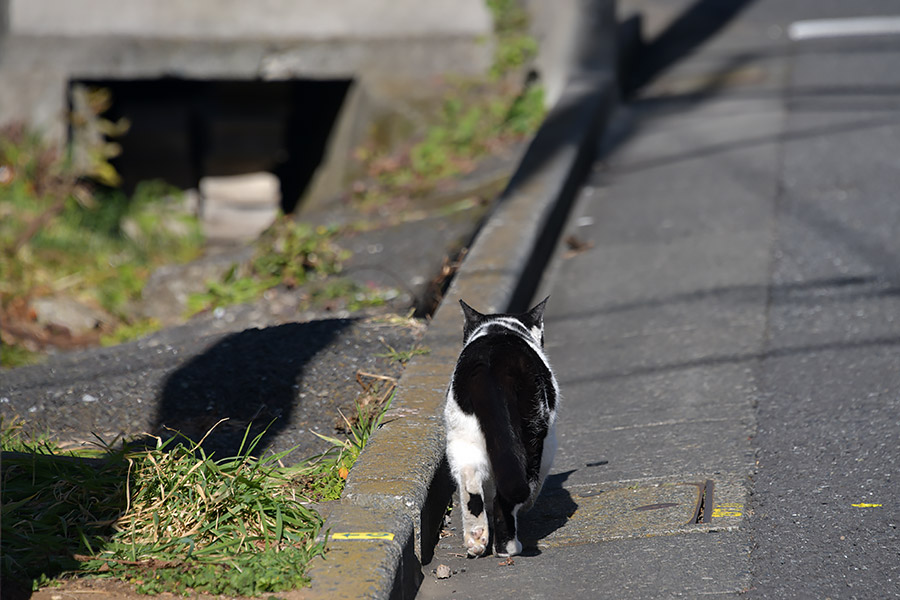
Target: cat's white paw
[(513, 548), (476, 541)]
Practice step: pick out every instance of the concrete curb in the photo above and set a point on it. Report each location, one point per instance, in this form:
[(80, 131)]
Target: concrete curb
[(400, 485)]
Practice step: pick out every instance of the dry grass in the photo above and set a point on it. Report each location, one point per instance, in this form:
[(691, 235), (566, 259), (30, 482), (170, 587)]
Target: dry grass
[(170, 518)]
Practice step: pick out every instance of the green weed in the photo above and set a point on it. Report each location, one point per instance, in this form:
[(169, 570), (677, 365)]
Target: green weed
[(289, 253), (167, 519), (324, 476), (130, 331), (61, 235), (54, 505), (402, 356), (475, 119), (515, 46), (355, 297), (231, 289), (17, 355), (228, 526), (294, 252), (13, 438), (172, 518)]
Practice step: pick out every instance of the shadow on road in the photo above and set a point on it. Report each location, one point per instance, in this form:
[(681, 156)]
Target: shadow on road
[(55, 508), (691, 29), (250, 378), (551, 511)]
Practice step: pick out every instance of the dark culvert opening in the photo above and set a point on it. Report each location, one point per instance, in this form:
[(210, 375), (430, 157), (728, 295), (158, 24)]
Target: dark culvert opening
[(182, 130)]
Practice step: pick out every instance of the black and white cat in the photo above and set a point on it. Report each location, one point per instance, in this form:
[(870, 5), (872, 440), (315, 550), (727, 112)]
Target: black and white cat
[(500, 417)]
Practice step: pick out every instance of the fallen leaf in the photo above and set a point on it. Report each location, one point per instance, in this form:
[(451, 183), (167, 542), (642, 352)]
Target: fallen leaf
[(576, 246), (442, 572), (507, 563)]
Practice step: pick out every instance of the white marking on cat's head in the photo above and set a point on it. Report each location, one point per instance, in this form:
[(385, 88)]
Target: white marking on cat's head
[(531, 323)]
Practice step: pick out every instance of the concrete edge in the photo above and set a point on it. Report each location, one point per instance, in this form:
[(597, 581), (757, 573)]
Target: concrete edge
[(400, 485)]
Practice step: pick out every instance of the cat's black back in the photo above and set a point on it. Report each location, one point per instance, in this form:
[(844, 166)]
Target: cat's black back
[(500, 416), (503, 382)]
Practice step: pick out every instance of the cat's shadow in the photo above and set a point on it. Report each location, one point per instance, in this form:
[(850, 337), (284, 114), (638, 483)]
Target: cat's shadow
[(550, 512)]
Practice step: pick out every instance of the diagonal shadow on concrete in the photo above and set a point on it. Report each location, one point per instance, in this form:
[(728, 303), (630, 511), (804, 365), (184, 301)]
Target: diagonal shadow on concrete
[(250, 378), (691, 29), (551, 511)]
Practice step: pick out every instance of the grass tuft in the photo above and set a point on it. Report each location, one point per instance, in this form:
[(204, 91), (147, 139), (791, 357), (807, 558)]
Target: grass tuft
[(323, 477), (402, 356), (55, 505), (166, 519), (229, 526), (172, 518), (291, 254)]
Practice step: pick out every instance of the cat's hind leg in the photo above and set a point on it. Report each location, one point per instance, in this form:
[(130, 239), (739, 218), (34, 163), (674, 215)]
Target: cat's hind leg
[(506, 517), (476, 529)]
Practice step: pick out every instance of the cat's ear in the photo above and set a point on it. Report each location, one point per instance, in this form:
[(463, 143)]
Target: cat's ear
[(473, 318), (536, 314), (470, 313), (534, 320)]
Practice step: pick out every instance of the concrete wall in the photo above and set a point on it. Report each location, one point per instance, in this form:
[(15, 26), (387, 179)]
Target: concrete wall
[(48, 43), (570, 33), (235, 19), (389, 49)]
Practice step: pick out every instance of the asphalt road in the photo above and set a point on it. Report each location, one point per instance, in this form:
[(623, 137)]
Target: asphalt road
[(730, 312), (828, 434)]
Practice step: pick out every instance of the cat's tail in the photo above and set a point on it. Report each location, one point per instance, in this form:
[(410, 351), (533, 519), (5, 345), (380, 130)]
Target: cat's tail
[(505, 449)]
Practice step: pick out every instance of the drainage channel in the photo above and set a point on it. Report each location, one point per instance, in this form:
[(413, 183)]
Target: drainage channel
[(182, 130)]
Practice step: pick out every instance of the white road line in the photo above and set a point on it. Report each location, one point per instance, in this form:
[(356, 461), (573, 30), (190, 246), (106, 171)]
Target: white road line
[(857, 26)]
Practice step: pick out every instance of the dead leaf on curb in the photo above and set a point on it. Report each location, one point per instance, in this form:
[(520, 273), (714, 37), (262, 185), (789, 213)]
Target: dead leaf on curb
[(507, 563), (442, 572), (576, 246)]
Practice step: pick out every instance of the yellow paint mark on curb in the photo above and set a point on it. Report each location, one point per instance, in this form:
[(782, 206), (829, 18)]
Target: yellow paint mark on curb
[(363, 535), (728, 509), (866, 505)]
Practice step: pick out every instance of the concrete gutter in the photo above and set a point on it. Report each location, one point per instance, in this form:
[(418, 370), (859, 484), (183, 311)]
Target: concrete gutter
[(400, 486)]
